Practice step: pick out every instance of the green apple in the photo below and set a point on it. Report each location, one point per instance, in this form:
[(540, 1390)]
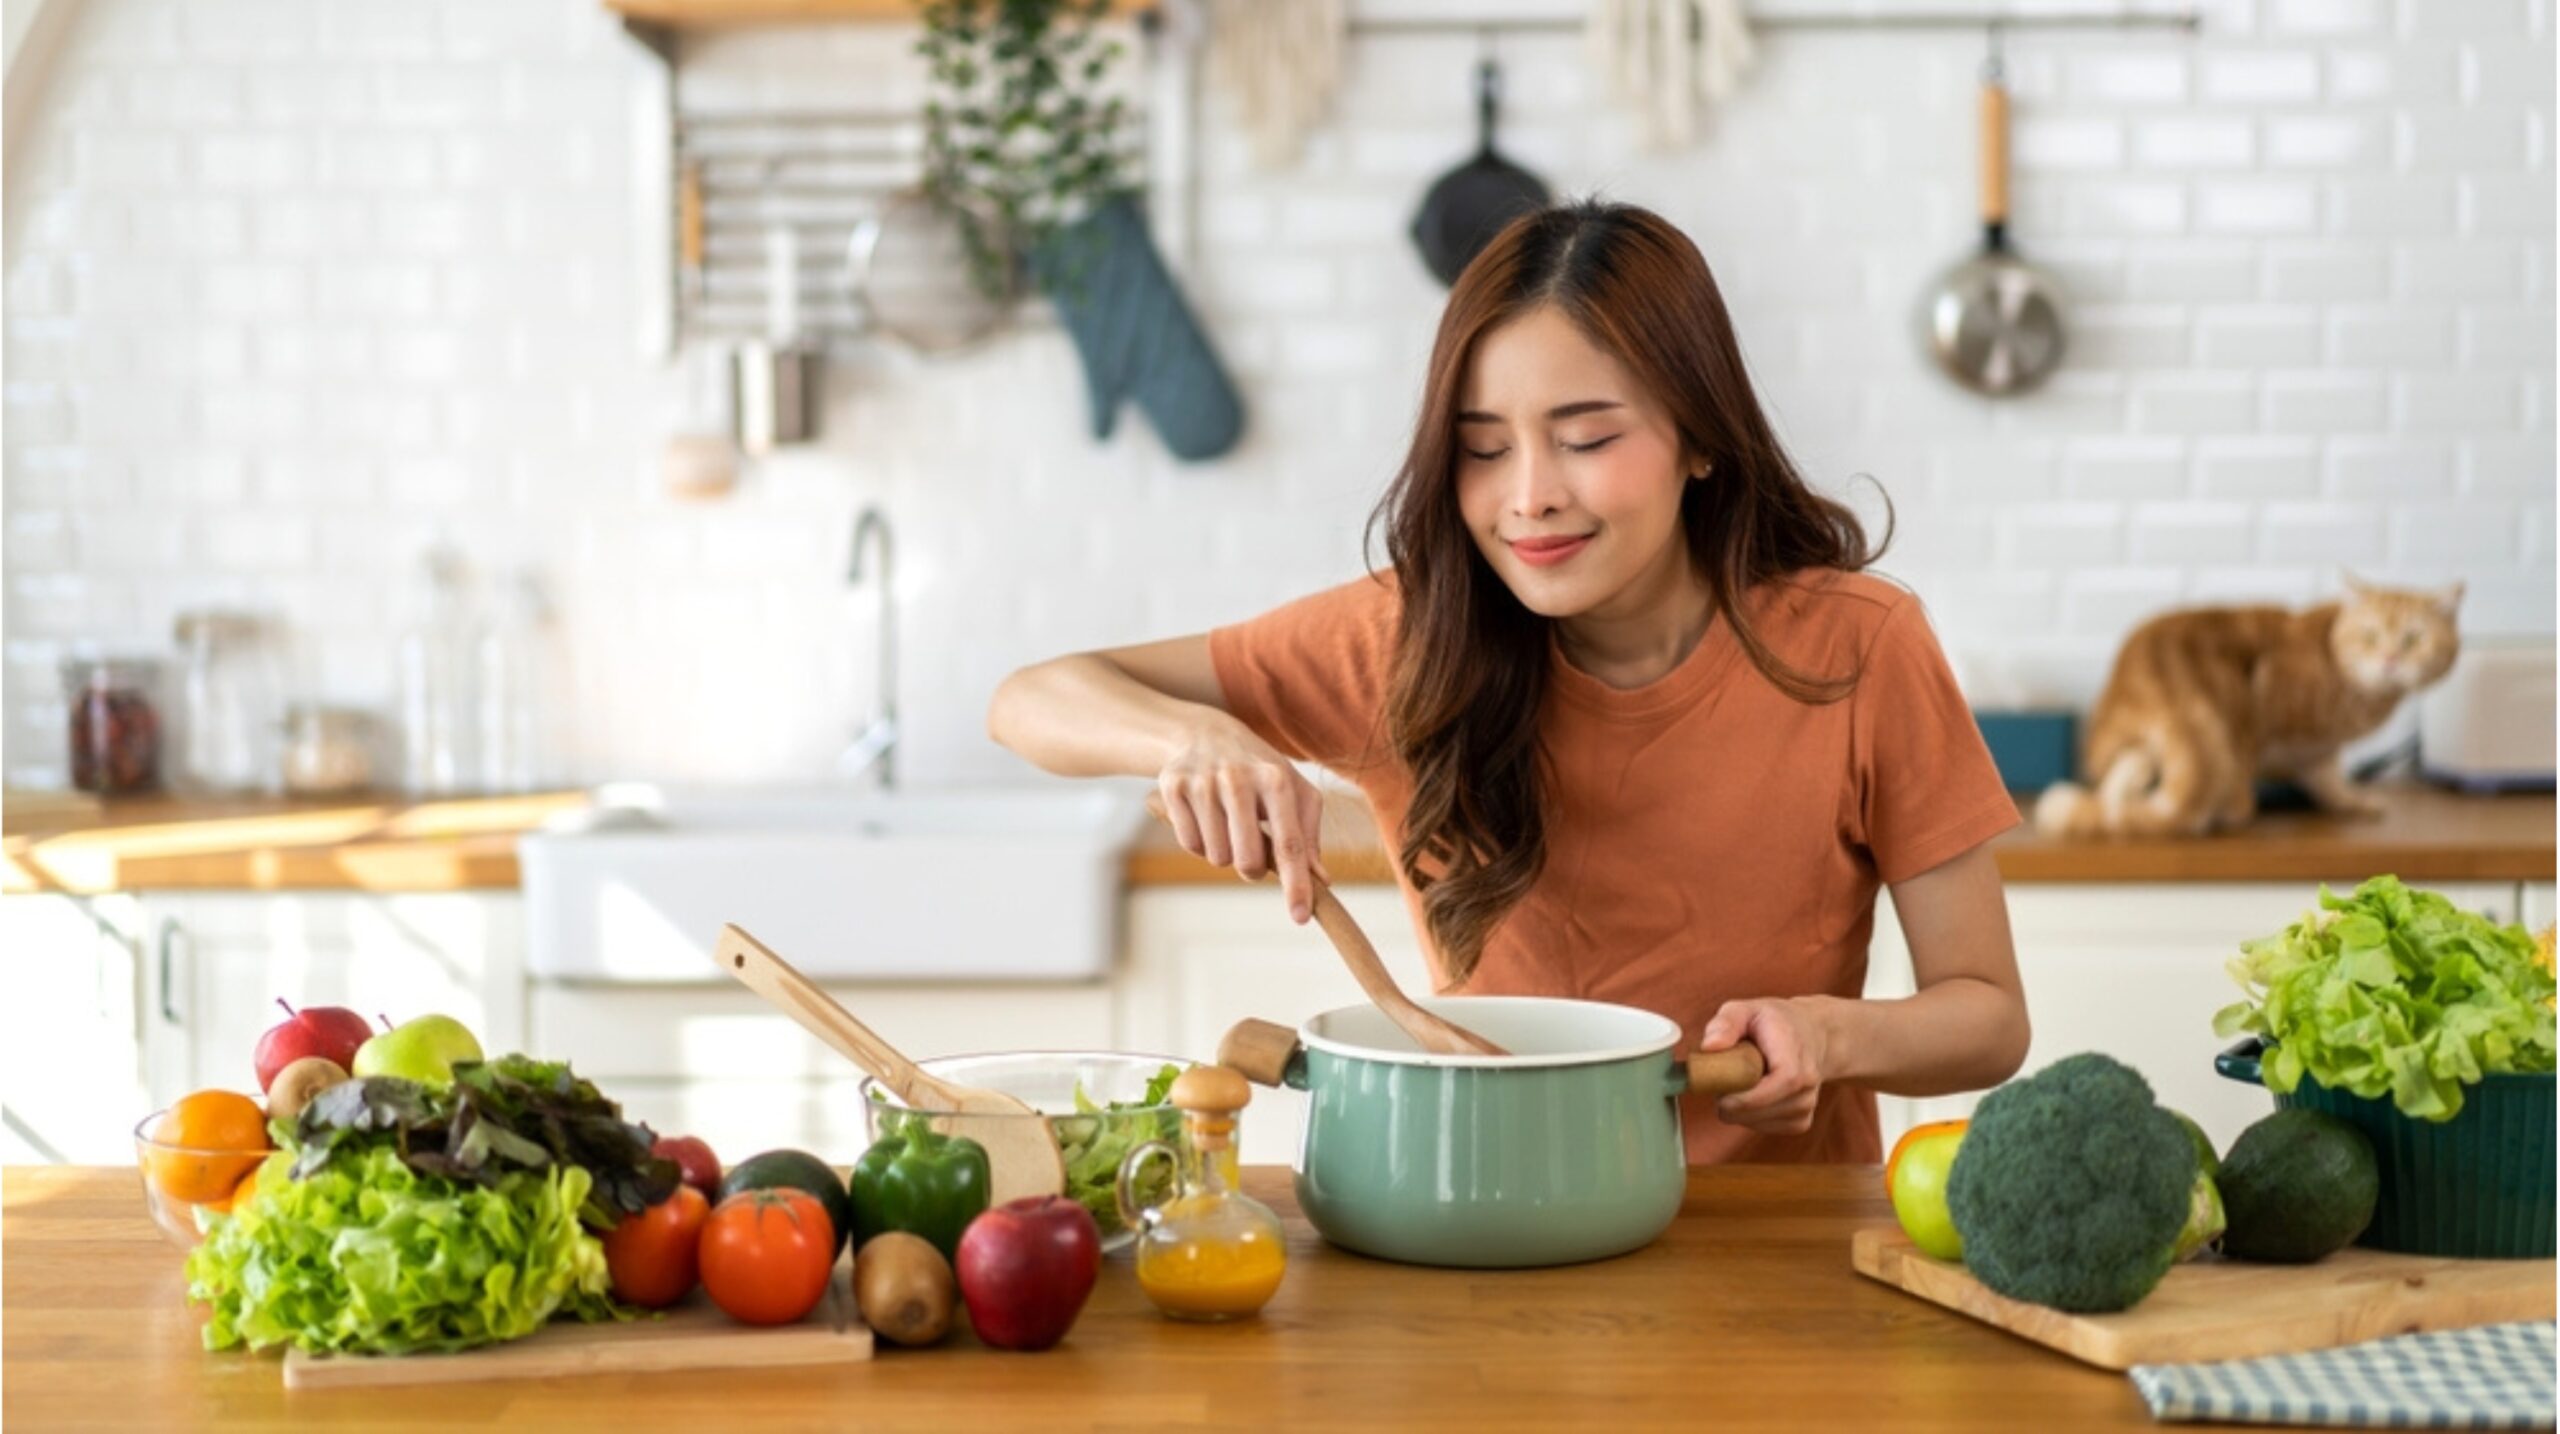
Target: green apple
[(1916, 1179), (422, 1050)]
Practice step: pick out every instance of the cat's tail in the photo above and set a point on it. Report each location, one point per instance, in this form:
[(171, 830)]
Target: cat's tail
[(2068, 809), (2148, 789)]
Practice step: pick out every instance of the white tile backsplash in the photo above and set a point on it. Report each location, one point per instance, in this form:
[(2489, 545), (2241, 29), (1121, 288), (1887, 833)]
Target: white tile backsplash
[(294, 288)]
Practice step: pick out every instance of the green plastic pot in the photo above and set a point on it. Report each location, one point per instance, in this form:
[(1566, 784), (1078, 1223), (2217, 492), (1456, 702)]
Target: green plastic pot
[(1568, 1149), (2477, 1187)]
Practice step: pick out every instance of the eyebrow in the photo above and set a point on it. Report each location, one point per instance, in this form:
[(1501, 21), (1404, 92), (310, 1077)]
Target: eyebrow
[(1561, 410)]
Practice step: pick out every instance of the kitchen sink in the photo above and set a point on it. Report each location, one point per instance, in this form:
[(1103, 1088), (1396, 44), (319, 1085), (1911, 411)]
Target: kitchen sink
[(961, 884)]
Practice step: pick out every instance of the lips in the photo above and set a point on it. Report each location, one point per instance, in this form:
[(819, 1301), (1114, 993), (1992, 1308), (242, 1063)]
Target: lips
[(1547, 552)]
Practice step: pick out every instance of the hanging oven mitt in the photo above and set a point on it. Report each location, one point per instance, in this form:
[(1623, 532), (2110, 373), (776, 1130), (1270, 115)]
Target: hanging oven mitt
[(1137, 337)]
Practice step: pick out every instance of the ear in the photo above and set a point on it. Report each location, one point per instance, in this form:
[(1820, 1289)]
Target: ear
[(2354, 584), (2450, 599)]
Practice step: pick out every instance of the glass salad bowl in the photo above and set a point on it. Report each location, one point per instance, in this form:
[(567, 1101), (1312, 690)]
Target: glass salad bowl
[(1100, 1104)]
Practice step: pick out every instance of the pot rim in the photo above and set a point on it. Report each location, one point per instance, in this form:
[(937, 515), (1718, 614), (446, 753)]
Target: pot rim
[(1455, 1008)]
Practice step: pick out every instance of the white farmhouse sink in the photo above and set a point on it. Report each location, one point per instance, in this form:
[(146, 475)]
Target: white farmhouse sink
[(994, 884)]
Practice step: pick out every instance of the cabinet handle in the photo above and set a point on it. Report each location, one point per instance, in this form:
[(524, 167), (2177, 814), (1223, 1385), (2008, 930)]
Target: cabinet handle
[(171, 933)]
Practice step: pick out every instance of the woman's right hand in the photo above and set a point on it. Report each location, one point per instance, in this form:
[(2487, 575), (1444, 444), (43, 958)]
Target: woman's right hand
[(1234, 801)]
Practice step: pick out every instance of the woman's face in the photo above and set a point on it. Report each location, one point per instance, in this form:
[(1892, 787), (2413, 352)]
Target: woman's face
[(1569, 474)]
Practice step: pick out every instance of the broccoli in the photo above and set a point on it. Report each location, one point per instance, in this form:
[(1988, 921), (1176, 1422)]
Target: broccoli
[(2072, 1187)]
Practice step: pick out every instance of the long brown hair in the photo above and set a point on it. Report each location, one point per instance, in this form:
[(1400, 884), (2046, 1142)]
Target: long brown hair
[(1471, 661)]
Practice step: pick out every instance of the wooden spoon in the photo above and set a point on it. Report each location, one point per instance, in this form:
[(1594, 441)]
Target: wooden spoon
[(1022, 1154), (1436, 1035)]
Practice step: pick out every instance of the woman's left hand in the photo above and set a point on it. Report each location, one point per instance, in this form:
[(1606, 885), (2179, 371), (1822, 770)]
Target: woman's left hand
[(1792, 1043)]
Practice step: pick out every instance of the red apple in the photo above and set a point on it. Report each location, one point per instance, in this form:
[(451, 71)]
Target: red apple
[(701, 1168), (1025, 1268), (330, 1032)]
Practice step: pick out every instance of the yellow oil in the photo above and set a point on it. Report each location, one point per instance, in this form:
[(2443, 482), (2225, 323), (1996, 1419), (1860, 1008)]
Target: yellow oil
[(1223, 1272)]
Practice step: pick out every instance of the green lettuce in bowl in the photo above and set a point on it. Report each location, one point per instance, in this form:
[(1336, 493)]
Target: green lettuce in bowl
[(2397, 993)]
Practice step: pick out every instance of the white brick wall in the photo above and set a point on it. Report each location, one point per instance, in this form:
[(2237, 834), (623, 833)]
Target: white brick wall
[(296, 285)]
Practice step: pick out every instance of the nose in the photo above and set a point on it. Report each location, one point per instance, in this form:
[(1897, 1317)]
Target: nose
[(1536, 481)]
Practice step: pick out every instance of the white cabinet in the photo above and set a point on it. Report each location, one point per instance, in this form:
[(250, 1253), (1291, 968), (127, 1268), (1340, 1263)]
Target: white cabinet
[(1201, 958), (75, 994), (113, 1005), (2133, 969), (2538, 905), (229, 956), (117, 1005), (2136, 970), (719, 1062)]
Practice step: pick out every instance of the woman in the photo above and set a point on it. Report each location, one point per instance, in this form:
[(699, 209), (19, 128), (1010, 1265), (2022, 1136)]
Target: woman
[(1631, 719)]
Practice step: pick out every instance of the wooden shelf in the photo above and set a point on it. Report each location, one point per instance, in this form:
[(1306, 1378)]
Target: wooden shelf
[(704, 14)]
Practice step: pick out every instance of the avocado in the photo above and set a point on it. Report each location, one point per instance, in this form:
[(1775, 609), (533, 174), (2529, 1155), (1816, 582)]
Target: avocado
[(2297, 1186), (795, 1170)]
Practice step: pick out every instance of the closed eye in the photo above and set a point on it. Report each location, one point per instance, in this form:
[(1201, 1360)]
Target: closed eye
[(1593, 446)]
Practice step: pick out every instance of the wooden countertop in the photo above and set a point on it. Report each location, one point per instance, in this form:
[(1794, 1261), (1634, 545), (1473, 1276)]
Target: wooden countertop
[(374, 843), (390, 844), (1744, 1315), (2426, 834)]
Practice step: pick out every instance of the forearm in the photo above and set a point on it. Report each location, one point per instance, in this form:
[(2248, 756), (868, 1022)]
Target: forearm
[(1081, 716), (1959, 1034)]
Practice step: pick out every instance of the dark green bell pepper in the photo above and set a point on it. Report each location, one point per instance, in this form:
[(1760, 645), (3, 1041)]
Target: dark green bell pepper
[(921, 1181)]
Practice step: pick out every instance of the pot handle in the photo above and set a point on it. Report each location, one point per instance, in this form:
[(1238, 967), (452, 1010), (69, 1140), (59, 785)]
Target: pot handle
[(1727, 1072), (1265, 1054), (2242, 1062)]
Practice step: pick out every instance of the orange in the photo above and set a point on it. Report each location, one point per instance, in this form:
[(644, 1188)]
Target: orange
[(240, 1193), (204, 1123)]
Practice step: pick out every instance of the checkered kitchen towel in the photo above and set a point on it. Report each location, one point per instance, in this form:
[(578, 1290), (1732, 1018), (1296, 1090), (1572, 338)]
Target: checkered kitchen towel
[(2496, 1376)]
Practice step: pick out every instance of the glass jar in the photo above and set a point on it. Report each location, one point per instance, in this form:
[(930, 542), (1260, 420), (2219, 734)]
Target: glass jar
[(435, 679), (224, 727), (1211, 1253), (328, 751), (115, 723)]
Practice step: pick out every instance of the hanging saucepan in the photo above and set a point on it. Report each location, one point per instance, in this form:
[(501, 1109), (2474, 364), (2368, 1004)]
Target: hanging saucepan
[(1471, 203), (1567, 1149), (1994, 321)]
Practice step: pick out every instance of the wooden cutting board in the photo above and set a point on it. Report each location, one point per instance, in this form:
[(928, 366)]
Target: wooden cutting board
[(693, 1335), (2216, 1309)]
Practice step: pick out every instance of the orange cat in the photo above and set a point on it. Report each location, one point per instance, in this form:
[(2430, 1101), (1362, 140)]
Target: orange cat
[(2204, 702)]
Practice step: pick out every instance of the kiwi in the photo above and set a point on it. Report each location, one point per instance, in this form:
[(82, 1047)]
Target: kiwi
[(298, 1082), (905, 1288)]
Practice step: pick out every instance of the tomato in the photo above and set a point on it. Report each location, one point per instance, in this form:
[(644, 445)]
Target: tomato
[(653, 1255), (767, 1255)]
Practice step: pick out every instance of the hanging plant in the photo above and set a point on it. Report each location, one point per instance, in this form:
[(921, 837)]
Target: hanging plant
[(1020, 141)]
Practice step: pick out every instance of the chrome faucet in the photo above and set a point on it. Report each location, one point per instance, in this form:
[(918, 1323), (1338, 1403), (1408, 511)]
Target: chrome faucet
[(876, 749)]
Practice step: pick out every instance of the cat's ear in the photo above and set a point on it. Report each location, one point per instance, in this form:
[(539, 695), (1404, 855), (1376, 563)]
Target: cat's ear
[(2354, 584), (2449, 599)]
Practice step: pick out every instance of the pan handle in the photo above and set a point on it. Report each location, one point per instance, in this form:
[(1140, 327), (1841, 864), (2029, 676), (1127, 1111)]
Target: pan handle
[(1265, 1054), (1995, 156), (1726, 1072)]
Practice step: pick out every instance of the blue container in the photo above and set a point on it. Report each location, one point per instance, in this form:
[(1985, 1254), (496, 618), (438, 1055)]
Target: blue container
[(2032, 749), (2476, 1187)]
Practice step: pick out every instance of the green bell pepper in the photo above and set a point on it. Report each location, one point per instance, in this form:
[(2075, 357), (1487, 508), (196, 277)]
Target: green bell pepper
[(916, 1179)]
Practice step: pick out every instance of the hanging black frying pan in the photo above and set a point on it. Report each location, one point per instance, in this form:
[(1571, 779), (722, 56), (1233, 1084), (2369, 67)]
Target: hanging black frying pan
[(1471, 203), (1994, 321)]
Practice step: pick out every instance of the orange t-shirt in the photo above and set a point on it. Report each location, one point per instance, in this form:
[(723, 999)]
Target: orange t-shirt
[(1710, 837)]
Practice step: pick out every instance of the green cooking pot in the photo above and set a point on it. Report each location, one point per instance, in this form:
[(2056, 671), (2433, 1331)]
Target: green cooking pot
[(1567, 1149)]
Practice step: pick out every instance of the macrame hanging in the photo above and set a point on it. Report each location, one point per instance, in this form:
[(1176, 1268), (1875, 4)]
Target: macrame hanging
[(1277, 61), (1670, 60)]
